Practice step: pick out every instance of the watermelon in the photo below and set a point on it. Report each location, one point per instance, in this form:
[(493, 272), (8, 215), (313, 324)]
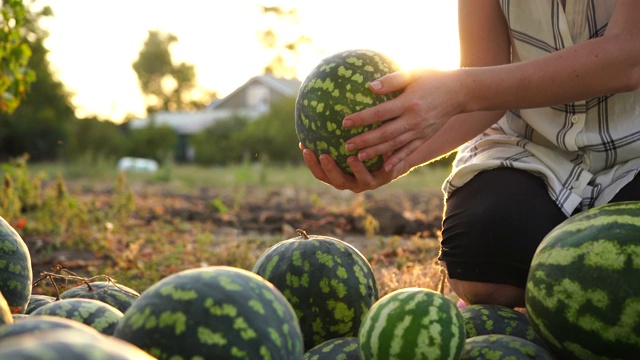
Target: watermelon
[(100, 316), (583, 288), (486, 319), (37, 324), (329, 283), (69, 344), (16, 274), (38, 300), (5, 313), (336, 87), (502, 347), (116, 295), (215, 312), (412, 323), (345, 348)]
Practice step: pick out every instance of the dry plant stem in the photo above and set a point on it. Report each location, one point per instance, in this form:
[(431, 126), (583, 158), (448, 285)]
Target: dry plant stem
[(67, 275)]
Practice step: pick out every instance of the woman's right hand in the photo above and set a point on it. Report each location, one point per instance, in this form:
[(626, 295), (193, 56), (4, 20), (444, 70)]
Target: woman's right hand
[(325, 169)]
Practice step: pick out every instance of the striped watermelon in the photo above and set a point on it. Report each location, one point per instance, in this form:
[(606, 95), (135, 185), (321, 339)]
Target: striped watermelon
[(345, 348), (583, 288), (116, 295), (38, 300), (486, 319), (329, 283), (412, 323), (215, 312), (16, 274), (39, 324), (100, 316), (502, 347), (335, 88)]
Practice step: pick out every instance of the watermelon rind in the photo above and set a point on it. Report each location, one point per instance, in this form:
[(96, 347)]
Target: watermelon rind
[(412, 323), (336, 87), (116, 295), (583, 290)]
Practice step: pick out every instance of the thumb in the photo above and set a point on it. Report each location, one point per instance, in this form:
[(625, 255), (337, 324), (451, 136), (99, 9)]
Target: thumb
[(391, 82)]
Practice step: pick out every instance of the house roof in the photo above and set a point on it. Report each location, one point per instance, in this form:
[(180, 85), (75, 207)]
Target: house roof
[(286, 87), (183, 122)]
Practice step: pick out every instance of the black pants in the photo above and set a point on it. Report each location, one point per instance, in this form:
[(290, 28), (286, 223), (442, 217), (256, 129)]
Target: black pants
[(493, 224)]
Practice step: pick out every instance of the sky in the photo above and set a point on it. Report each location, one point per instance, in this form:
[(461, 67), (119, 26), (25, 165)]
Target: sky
[(93, 43)]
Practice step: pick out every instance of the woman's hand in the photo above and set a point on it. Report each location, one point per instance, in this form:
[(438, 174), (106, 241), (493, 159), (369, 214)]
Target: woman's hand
[(325, 169), (430, 98)]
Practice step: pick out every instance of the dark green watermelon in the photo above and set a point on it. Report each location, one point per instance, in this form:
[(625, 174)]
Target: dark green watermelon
[(37, 300), (100, 316), (116, 295), (345, 348), (68, 344), (329, 283), (16, 274), (583, 289), (36, 324), (335, 88), (486, 319), (215, 312), (503, 347)]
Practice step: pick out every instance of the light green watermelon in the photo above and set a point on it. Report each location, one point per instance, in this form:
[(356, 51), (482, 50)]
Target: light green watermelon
[(335, 88), (327, 281), (412, 323), (583, 288), (215, 312)]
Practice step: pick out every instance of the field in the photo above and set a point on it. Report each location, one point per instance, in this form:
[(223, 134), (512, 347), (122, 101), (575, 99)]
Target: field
[(92, 221)]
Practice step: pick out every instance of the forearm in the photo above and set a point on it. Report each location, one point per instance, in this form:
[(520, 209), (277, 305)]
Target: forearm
[(456, 131), (596, 67)]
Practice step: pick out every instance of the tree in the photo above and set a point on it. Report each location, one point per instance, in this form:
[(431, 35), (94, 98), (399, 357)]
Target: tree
[(40, 125), (286, 50), (166, 86), (15, 76)]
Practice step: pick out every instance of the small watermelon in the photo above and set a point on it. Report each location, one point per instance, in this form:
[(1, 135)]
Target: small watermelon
[(69, 344), (215, 312), (38, 300), (345, 348), (100, 316), (412, 323), (486, 319), (502, 347), (583, 289), (336, 87), (329, 283), (116, 295), (16, 274)]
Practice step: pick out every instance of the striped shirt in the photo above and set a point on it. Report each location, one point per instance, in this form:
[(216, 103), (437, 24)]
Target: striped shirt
[(585, 151)]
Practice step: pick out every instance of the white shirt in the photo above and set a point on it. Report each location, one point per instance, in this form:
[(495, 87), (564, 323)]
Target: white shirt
[(586, 151)]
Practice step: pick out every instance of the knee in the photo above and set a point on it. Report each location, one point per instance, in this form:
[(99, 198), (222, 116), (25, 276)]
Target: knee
[(474, 292)]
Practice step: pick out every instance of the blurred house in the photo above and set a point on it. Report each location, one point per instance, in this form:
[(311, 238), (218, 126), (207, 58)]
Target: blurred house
[(250, 100)]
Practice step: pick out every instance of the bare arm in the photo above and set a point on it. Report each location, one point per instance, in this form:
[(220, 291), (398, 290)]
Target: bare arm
[(592, 68)]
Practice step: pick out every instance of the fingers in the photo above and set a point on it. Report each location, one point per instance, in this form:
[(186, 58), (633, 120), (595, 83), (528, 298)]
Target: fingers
[(391, 82)]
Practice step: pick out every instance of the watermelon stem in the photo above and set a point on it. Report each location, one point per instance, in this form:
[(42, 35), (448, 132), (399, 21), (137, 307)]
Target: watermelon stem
[(303, 234)]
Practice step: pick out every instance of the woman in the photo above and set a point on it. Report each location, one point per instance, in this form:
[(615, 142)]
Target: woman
[(545, 115)]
